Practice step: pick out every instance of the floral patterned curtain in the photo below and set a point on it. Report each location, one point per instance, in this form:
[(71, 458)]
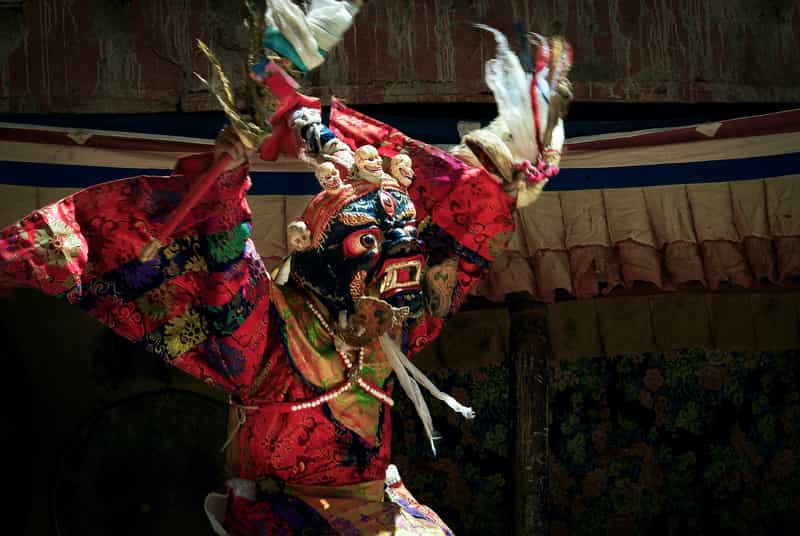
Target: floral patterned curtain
[(686, 442), (469, 483)]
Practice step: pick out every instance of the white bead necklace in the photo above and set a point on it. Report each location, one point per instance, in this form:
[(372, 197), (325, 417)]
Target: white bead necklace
[(354, 377)]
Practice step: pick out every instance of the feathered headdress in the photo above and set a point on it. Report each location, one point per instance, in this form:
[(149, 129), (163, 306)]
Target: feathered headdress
[(523, 145)]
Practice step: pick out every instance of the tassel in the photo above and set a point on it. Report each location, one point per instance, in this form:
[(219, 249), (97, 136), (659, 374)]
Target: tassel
[(282, 276), (408, 374), (241, 418), (410, 387)]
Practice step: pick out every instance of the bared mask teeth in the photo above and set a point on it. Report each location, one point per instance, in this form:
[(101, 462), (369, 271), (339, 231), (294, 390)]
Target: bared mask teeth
[(399, 275)]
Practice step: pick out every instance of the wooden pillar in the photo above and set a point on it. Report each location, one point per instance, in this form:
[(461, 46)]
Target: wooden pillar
[(530, 350)]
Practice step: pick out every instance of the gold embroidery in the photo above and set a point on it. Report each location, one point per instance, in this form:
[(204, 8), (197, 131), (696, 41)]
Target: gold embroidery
[(499, 243), (358, 284), (423, 224), (173, 249), (356, 218), (440, 282), (409, 213)]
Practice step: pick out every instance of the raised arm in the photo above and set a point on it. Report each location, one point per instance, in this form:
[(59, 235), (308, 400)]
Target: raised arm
[(200, 304)]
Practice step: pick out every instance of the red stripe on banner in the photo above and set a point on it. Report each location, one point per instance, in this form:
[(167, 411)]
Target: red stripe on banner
[(103, 141), (36, 136), (759, 125)]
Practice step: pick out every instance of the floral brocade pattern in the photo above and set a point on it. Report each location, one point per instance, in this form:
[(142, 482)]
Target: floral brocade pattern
[(190, 305), (692, 442), (469, 482)]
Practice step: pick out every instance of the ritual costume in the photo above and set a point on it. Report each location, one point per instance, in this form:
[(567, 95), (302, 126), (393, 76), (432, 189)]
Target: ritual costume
[(311, 354)]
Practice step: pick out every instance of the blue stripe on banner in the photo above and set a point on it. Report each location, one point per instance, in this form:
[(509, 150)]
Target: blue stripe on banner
[(758, 167), (435, 126), (65, 176), (286, 183), (282, 183)]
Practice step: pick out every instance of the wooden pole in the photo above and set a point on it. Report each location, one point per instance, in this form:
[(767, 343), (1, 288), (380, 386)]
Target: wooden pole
[(530, 350)]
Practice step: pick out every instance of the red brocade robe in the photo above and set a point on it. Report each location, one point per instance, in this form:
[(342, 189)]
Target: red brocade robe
[(207, 305)]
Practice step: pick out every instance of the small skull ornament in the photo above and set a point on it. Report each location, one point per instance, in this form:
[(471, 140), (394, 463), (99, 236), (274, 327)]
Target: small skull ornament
[(298, 235), (368, 165), (400, 169), (328, 177)]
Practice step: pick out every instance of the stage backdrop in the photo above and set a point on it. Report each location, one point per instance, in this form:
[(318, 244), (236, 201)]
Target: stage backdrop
[(639, 227)]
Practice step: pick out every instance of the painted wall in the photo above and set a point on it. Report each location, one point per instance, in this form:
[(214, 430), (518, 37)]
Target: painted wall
[(120, 55)]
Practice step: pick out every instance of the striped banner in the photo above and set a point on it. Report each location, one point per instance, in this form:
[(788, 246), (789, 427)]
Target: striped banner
[(708, 204), (738, 149)]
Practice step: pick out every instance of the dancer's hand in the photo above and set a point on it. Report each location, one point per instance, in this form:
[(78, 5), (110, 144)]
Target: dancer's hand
[(228, 142)]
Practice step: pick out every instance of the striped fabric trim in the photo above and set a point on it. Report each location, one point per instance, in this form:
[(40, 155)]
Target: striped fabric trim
[(295, 183), (757, 125), (738, 149)]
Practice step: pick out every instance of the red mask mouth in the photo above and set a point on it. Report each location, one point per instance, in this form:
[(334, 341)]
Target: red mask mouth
[(400, 275)]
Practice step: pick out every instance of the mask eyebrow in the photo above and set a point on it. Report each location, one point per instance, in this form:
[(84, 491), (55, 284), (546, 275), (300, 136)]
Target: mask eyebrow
[(356, 218), (409, 212)]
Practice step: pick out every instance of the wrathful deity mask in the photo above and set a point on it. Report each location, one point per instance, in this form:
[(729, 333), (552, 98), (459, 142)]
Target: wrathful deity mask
[(363, 243)]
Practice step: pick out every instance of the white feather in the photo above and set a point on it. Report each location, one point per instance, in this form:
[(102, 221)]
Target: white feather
[(320, 28), (409, 386), (291, 22), (510, 85)]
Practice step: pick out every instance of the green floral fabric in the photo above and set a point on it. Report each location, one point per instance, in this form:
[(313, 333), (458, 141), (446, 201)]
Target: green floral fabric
[(469, 483), (688, 442)]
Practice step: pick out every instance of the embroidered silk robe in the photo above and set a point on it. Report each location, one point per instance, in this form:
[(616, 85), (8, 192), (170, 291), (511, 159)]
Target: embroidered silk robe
[(207, 305)]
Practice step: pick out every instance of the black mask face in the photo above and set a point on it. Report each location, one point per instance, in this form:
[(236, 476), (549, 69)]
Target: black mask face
[(369, 248)]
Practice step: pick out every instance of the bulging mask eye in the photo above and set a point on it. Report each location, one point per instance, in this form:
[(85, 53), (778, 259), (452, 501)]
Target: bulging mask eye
[(368, 241), (361, 242)]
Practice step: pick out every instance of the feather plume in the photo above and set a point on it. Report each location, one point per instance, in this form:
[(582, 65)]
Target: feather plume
[(511, 87)]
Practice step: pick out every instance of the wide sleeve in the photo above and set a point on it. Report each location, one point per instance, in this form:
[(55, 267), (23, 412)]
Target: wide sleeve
[(464, 216), (201, 304)]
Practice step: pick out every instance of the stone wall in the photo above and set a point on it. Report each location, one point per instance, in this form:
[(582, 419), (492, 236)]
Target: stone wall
[(123, 56)]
